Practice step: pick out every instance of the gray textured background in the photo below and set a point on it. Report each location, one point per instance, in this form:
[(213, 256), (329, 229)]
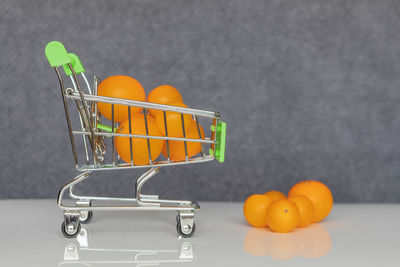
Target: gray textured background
[(309, 89)]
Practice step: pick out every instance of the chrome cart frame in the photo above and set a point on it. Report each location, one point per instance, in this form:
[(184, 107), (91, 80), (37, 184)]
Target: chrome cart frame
[(96, 134)]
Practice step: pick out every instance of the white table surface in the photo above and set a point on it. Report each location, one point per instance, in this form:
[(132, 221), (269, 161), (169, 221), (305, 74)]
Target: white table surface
[(353, 235)]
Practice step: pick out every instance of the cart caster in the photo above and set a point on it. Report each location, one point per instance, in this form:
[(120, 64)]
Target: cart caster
[(71, 225), (70, 230), (86, 216), (185, 225), (187, 230)]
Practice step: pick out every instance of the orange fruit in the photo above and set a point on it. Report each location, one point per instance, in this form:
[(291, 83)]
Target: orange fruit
[(305, 207), (255, 210), (177, 148), (164, 94), (120, 86), (140, 150), (283, 216), (174, 121), (275, 195), (319, 194)]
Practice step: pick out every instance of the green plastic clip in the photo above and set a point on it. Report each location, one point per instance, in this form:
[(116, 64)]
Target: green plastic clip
[(220, 141), (76, 64), (56, 54), (105, 128)]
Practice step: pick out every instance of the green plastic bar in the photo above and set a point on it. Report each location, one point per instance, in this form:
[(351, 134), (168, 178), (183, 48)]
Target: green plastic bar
[(76, 64), (56, 54), (220, 139), (105, 128)]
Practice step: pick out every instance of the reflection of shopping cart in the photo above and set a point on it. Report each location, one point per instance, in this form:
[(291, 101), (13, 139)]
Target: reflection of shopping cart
[(82, 253), (101, 137)]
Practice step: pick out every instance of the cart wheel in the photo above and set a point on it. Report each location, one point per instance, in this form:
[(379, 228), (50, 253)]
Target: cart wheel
[(86, 217), (188, 232), (70, 230)]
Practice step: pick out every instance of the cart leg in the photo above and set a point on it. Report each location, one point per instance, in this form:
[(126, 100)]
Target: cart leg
[(72, 224), (145, 200), (74, 181), (185, 225), (74, 196), (186, 217)]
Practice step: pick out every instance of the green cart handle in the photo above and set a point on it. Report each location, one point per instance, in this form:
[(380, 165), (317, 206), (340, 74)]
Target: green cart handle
[(57, 56), (76, 64)]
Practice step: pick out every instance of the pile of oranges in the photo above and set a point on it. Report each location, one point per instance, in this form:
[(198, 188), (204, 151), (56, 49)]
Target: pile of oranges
[(126, 87), (307, 202)]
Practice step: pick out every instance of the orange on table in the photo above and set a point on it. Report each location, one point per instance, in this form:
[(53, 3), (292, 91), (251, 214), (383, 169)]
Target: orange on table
[(177, 148), (140, 150), (305, 207), (275, 195), (255, 210), (120, 86), (174, 121), (283, 216), (319, 194), (164, 94)]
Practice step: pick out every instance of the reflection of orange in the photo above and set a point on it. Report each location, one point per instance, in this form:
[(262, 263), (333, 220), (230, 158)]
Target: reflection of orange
[(310, 242), (163, 94), (318, 193), (255, 210), (177, 148), (306, 209), (275, 195), (281, 246), (120, 86), (139, 145), (255, 242), (174, 121), (283, 216), (305, 239), (322, 241)]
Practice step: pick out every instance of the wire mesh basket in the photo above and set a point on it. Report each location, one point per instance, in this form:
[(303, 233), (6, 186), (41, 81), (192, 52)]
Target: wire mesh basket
[(94, 145)]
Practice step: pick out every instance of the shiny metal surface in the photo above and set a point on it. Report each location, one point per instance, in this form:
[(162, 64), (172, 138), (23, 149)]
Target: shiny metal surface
[(204, 141), (353, 235), (86, 104), (148, 105)]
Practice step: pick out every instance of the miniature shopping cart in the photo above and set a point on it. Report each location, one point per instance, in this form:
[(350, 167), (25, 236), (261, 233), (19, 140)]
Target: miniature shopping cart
[(96, 141)]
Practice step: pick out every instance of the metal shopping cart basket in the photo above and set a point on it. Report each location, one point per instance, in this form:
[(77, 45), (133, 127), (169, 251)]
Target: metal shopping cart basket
[(98, 152)]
